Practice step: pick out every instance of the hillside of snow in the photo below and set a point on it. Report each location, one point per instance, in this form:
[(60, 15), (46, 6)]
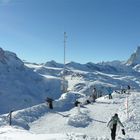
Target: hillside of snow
[(70, 124), (25, 86), (84, 77), (30, 83), (20, 86)]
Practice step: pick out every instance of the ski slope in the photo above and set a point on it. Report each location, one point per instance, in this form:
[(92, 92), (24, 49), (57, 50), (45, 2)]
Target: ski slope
[(92, 121), (69, 124), (94, 111)]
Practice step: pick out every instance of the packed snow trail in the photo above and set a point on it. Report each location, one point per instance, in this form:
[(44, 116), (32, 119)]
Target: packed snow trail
[(89, 124), (99, 112), (11, 133)]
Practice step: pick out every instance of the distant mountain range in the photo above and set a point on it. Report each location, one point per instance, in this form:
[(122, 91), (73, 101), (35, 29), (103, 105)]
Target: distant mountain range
[(132, 63), (24, 84), (83, 77)]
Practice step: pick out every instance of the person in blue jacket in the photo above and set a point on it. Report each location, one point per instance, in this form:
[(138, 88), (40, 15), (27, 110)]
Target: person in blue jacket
[(110, 92)]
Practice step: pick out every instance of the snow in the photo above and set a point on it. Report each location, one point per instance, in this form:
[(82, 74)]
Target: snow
[(24, 87), (133, 101), (70, 124), (95, 117), (20, 86), (12, 133), (79, 120), (135, 58)]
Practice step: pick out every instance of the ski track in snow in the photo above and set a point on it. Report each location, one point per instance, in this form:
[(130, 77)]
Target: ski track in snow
[(89, 124), (100, 112), (49, 123)]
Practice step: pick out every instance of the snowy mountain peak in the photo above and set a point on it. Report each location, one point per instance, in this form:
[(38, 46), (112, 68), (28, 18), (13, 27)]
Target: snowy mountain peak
[(22, 87), (9, 59), (52, 63), (1, 54), (135, 58)]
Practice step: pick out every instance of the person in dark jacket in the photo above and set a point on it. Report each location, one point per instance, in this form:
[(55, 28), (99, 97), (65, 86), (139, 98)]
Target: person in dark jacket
[(112, 124), (110, 93), (95, 94), (49, 102), (77, 102), (128, 89)]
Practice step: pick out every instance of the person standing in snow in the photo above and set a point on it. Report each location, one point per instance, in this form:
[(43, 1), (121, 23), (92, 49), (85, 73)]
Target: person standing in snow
[(110, 92), (95, 94), (112, 124), (49, 102), (128, 89), (77, 102)]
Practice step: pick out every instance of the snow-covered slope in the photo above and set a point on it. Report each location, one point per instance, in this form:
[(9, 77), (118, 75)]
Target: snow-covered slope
[(26, 84), (84, 77), (70, 124), (20, 86), (29, 83)]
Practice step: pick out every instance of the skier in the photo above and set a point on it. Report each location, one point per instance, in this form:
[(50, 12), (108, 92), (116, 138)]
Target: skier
[(49, 102), (112, 124), (110, 92)]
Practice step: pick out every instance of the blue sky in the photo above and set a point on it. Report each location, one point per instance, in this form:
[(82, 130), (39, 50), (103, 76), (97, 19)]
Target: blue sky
[(97, 30)]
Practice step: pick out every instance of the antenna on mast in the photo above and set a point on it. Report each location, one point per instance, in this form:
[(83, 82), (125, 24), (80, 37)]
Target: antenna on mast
[(65, 37), (64, 83)]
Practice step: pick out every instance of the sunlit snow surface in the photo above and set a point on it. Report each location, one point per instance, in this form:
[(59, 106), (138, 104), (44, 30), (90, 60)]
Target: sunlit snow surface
[(88, 124)]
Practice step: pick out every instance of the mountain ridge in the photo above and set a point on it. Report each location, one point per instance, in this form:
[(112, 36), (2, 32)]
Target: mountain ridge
[(134, 58), (20, 86), (24, 84)]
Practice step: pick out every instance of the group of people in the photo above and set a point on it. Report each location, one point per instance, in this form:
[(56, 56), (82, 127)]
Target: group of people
[(114, 121), (126, 90), (123, 90), (112, 124), (90, 99), (95, 94)]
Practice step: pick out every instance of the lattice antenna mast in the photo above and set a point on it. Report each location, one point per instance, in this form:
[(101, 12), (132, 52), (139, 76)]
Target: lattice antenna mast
[(64, 82), (65, 37)]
